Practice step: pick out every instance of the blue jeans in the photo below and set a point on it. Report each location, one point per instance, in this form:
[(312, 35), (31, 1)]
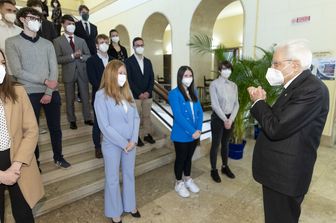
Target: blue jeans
[(53, 115)]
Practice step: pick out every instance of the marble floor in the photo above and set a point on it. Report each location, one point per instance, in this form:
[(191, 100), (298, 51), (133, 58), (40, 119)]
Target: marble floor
[(234, 201)]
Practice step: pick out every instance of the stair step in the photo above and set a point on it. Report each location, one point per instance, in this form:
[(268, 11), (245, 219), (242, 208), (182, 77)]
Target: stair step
[(82, 162), (71, 189), (64, 120), (83, 130)]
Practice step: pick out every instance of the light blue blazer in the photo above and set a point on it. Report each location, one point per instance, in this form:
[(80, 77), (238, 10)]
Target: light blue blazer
[(184, 125), (117, 126)]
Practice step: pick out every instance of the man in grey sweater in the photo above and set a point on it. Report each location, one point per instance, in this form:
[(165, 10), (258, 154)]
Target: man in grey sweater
[(33, 63)]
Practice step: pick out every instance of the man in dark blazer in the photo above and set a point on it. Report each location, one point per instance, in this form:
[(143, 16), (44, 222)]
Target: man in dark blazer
[(86, 30), (95, 66), (285, 152), (140, 77)]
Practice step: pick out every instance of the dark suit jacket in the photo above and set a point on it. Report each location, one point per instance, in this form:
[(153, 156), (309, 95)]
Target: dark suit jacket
[(89, 39), (95, 69), (47, 30), (285, 152), (140, 83)]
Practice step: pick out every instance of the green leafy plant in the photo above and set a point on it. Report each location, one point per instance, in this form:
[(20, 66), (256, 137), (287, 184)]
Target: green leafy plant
[(246, 72)]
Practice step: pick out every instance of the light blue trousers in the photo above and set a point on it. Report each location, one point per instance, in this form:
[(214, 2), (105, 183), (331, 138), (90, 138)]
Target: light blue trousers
[(115, 202)]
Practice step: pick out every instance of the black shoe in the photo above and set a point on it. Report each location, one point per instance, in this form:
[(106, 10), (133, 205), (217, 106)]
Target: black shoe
[(226, 170), (149, 139), (99, 153), (140, 143), (73, 125), (88, 122), (116, 221), (136, 214), (79, 100), (215, 176), (62, 163)]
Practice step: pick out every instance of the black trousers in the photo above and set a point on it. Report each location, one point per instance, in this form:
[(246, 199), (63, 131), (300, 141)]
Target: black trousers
[(22, 213), (281, 208), (220, 135), (53, 115), (184, 153)]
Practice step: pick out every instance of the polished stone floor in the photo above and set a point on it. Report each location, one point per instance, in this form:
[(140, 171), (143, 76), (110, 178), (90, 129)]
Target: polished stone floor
[(234, 201)]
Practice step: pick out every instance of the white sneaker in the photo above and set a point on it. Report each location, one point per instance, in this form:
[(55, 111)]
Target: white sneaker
[(181, 189), (191, 186)]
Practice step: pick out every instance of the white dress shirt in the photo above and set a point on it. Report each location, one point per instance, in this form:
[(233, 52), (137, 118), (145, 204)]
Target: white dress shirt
[(5, 141), (124, 104), (103, 58), (140, 60), (88, 24)]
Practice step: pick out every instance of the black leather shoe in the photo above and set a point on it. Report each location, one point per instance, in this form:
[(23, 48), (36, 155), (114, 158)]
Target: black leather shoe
[(88, 122), (73, 125), (140, 143), (215, 176), (98, 153), (136, 214), (116, 221), (226, 170), (149, 139)]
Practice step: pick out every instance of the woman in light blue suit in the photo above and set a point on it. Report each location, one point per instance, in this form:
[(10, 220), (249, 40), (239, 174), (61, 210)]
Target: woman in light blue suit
[(187, 127), (118, 121)]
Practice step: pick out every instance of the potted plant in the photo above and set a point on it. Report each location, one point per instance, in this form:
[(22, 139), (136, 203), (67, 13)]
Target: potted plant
[(246, 72)]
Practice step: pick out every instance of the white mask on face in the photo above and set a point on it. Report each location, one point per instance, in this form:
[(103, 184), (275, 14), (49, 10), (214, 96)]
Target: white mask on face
[(225, 73), (103, 47), (34, 26), (274, 77), (10, 17), (139, 50), (71, 28), (115, 39), (186, 81), (121, 79), (2, 73)]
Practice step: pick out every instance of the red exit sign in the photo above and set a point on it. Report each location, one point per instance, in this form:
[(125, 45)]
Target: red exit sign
[(302, 19)]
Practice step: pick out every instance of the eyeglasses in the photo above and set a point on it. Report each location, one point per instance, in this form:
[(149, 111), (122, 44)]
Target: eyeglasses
[(32, 18), (277, 63)]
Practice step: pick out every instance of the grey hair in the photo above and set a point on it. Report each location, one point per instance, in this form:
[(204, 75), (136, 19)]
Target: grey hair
[(297, 50)]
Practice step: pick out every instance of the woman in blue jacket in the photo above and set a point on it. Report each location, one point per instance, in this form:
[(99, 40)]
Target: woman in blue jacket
[(119, 122), (187, 127)]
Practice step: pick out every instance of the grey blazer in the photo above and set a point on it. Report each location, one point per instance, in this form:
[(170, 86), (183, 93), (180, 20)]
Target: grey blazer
[(69, 65), (117, 126)]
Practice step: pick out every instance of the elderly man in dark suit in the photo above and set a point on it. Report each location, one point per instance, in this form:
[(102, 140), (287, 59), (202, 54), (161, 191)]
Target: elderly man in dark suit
[(285, 152)]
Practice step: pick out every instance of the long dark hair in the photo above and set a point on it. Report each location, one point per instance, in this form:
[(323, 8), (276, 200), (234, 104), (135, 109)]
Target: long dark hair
[(7, 90), (181, 87)]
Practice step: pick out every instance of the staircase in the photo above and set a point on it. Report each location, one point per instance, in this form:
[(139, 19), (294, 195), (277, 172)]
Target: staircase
[(86, 175)]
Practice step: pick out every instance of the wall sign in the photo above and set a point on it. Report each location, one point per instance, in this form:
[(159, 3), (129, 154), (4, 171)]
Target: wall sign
[(302, 19)]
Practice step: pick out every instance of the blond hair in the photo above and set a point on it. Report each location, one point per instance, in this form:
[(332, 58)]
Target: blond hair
[(109, 83)]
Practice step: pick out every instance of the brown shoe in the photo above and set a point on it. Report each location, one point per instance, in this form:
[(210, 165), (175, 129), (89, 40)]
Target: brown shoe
[(99, 153)]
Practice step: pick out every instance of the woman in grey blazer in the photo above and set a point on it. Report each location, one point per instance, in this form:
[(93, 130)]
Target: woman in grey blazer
[(119, 122)]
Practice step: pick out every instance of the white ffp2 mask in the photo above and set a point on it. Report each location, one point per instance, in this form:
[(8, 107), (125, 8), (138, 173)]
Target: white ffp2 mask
[(121, 79), (274, 77)]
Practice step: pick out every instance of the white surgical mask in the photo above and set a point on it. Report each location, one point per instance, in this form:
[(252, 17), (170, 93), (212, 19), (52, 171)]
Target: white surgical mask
[(103, 47), (226, 73), (115, 39), (274, 77), (139, 50), (2, 73), (186, 81), (34, 26), (10, 17), (121, 79), (71, 28)]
